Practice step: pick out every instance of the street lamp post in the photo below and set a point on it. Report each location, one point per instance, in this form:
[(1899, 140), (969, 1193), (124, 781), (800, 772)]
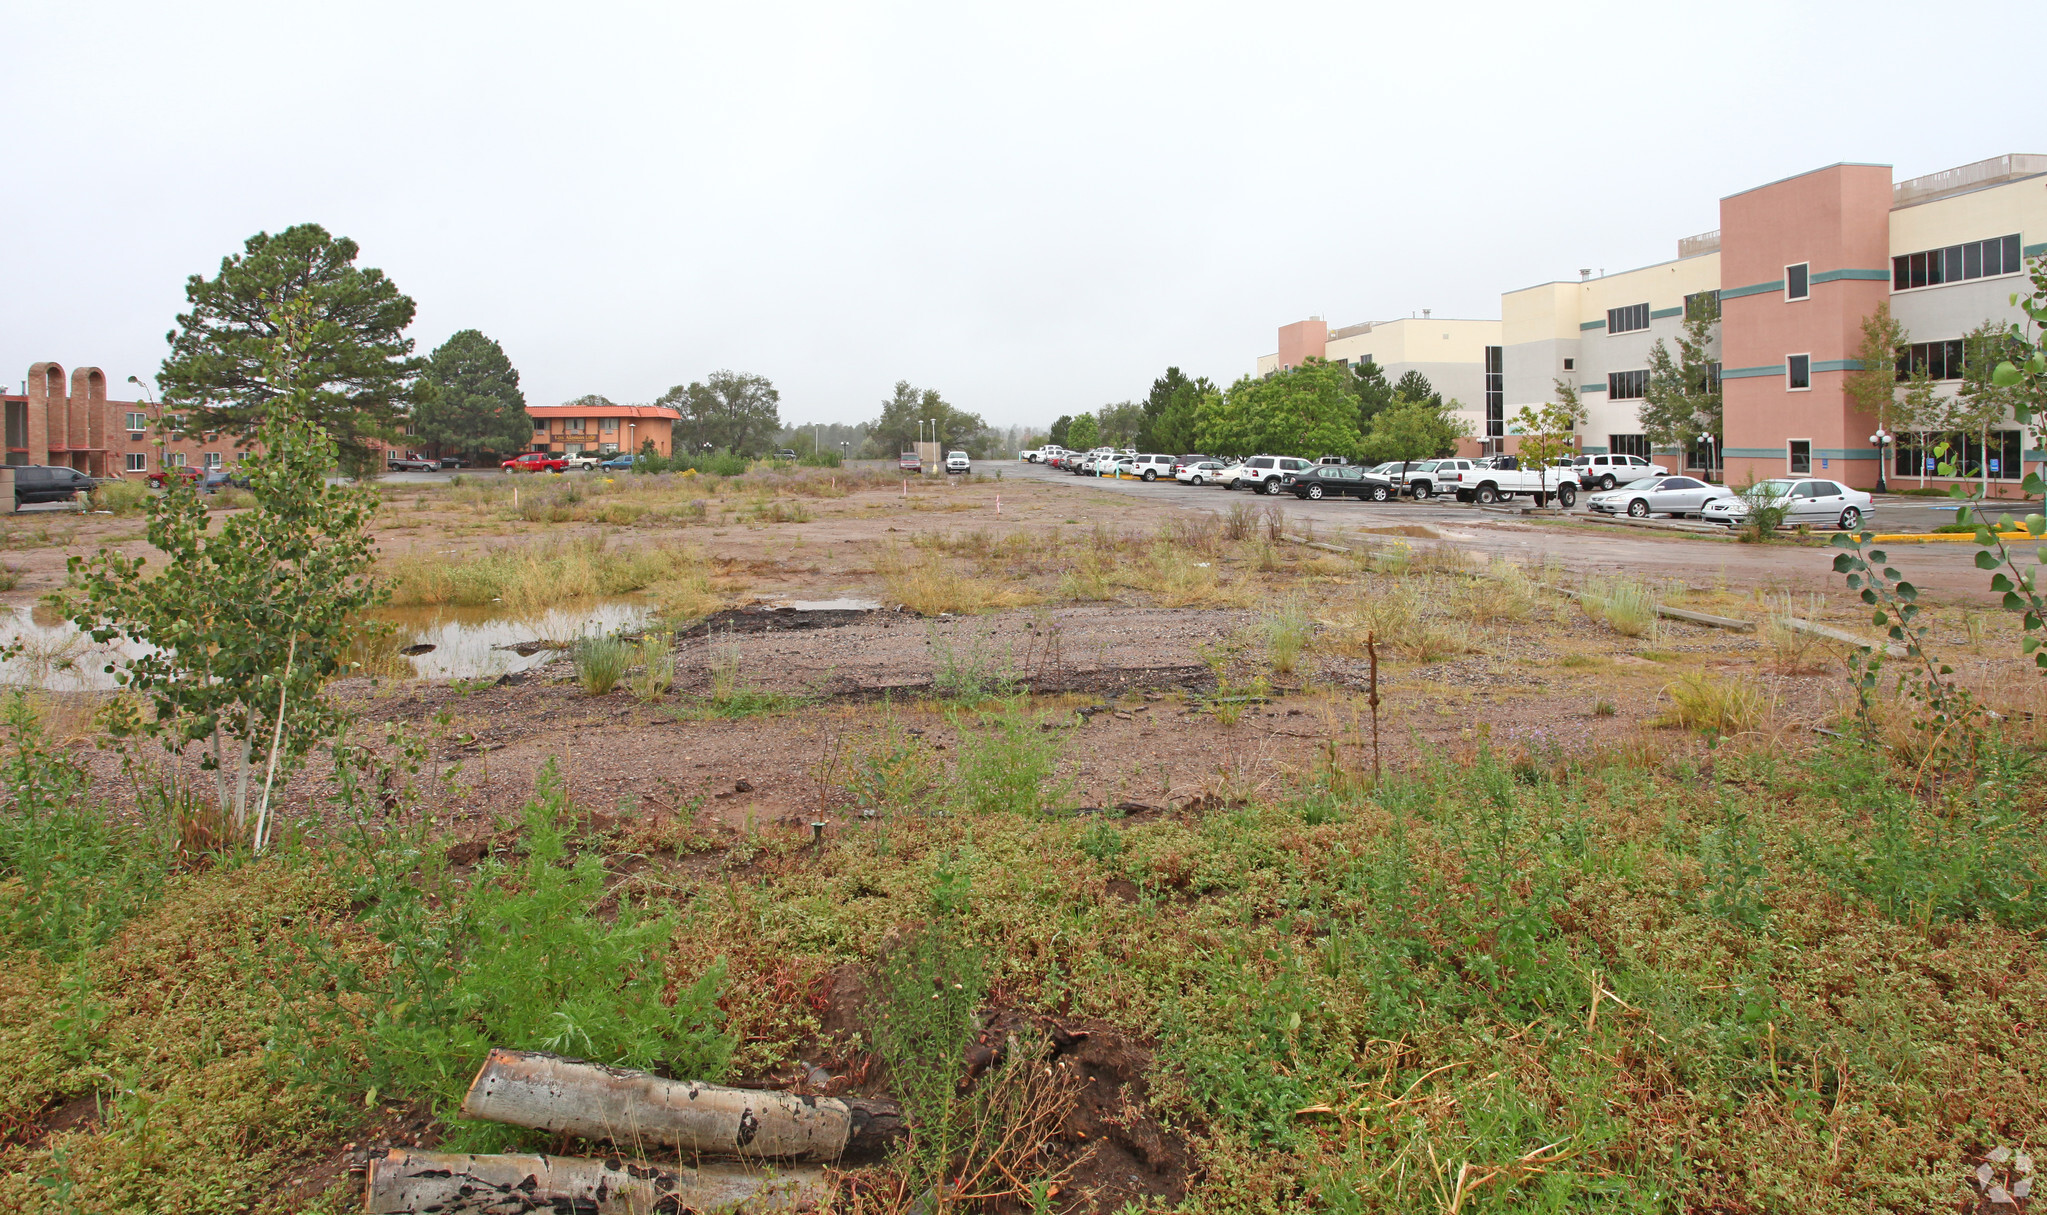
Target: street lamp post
[(1882, 440), (1706, 441)]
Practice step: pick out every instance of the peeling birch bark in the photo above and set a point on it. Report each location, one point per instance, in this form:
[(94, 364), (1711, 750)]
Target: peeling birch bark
[(451, 1183), (550, 1093)]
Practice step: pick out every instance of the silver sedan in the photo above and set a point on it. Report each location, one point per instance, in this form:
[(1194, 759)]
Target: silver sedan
[(1675, 496)]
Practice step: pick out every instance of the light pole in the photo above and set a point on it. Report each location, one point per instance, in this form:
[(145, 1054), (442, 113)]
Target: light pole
[(1882, 440), (1706, 441)]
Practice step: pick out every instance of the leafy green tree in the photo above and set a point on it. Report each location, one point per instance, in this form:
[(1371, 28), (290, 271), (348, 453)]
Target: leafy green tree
[(1415, 386), (1375, 395), (1081, 434), (911, 410), (1549, 432), (1307, 410), (239, 640), (1120, 424), (1057, 436), (475, 407), (728, 410), (1414, 430), (1983, 404), (1681, 402), (358, 376)]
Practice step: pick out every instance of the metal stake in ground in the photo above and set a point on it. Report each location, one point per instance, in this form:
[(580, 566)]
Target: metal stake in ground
[(1372, 697)]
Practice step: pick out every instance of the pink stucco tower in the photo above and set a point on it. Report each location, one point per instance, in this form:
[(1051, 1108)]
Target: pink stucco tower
[(1802, 262), (1303, 340)]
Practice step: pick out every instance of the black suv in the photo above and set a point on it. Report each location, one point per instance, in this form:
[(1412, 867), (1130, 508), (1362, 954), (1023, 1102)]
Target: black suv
[(48, 483), (1337, 480)]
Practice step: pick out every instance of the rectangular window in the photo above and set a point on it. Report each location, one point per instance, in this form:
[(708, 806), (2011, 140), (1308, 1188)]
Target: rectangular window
[(540, 426), (1965, 456), (175, 459), (17, 426), (1977, 259), (1713, 377), (1801, 456), (138, 461), (1570, 364), (1628, 319), (1940, 360), (1628, 445), (1495, 392), (1699, 300), (137, 423), (611, 423), (574, 426), (213, 459), (1626, 385), (1798, 371), (1798, 281)]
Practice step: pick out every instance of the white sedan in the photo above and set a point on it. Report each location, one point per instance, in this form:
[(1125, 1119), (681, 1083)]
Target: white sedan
[(1201, 472), (1808, 502), (1677, 496)]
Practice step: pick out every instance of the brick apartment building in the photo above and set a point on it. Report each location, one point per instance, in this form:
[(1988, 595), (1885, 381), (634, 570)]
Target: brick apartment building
[(1795, 265), (602, 429)]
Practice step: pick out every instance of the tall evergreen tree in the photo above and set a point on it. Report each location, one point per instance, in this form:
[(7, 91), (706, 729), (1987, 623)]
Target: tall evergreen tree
[(1414, 386), (475, 407), (358, 379), (1375, 395)]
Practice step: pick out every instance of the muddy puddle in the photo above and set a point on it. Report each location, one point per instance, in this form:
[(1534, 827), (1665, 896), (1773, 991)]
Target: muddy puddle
[(437, 643)]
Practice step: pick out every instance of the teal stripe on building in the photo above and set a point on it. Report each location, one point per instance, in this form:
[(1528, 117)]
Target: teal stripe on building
[(1584, 325), (1591, 388), (1834, 276), (1753, 453), (1838, 365), (1735, 293), (1750, 373), (1661, 313), (2039, 250)]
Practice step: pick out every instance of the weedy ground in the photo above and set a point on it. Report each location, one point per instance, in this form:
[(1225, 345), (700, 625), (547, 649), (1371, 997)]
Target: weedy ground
[(1726, 962)]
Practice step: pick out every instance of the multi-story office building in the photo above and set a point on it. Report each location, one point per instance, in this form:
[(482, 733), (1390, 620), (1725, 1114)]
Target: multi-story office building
[(1460, 358), (1797, 265)]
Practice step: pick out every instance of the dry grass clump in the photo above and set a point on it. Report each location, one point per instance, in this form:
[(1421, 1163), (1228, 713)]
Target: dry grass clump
[(1404, 620), (1172, 576), (1240, 522), (1725, 706), (541, 575), (1625, 605), (120, 497), (1504, 596), (1794, 651), (925, 583)]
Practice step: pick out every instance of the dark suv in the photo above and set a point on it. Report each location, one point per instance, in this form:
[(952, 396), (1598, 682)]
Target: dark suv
[(48, 483)]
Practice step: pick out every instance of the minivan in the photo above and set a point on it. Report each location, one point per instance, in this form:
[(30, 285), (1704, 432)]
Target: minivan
[(48, 483)]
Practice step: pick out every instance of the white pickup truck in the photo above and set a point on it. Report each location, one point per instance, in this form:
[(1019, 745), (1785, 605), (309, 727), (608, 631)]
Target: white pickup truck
[(1484, 485), (585, 461)]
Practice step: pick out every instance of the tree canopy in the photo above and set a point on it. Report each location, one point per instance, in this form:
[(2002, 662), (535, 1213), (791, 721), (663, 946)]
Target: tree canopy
[(728, 411), (358, 373), (1057, 435), (1414, 430), (1415, 386), (911, 409), (475, 407), (1681, 402), (1170, 411), (1308, 410), (1082, 434), (1375, 395)]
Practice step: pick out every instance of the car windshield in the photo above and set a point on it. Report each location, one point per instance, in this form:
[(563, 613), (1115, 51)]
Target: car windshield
[(1769, 489), (1644, 483)]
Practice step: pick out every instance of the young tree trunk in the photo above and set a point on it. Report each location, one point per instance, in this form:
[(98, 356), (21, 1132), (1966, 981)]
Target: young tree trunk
[(453, 1183), (550, 1093)]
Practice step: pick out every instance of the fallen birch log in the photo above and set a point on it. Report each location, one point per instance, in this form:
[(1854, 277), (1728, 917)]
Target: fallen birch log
[(550, 1093), (453, 1183)]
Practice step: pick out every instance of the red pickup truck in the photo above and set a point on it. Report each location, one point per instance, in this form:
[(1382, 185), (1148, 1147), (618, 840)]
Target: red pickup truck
[(536, 461)]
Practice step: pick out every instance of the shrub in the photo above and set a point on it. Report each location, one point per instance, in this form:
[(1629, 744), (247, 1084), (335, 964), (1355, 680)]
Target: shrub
[(1287, 632), (600, 662), (655, 661), (931, 987), (1006, 763), (821, 459), (522, 578), (120, 497), (1627, 606), (524, 958), (1725, 706)]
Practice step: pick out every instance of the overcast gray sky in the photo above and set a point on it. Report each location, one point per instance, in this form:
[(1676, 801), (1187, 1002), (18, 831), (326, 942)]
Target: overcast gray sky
[(1033, 208)]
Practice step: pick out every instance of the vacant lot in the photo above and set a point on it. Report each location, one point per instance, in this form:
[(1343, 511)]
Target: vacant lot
[(1354, 858)]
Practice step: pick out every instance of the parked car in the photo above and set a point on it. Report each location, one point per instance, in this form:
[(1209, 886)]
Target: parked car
[(215, 478), (49, 483), (1338, 481), (452, 462), (158, 479), (1607, 471), (586, 461), (909, 462), (535, 461), (1151, 467), (787, 453), (1201, 472), (1440, 477), (1486, 484), (410, 464), (957, 462), (1677, 496), (1337, 460), (1811, 502), (622, 462), (1265, 474)]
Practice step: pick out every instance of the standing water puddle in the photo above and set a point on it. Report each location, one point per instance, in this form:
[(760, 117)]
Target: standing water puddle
[(438, 642)]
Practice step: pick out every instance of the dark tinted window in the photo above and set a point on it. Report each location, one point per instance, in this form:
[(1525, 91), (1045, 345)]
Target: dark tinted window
[(1797, 281), (1977, 259), (1628, 319), (1798, 371)]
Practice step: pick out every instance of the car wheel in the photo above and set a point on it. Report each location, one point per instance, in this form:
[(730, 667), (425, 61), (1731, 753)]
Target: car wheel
[(1566, 496), (1272, 488), (1851, 519), (1378, 493), (1487, 495), (1607, 481), (1313, 491), (1421, 492), (1638, 509), (1196, 480)]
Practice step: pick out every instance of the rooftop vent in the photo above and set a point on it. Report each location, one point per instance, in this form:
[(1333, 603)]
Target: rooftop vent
[(1965, 178)]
